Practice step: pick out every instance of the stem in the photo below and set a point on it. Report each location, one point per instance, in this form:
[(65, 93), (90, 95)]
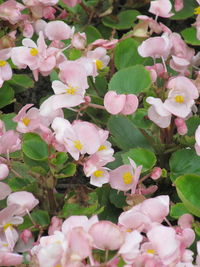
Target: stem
[(93, 86), (86, 8), (52, 201), (96, 106), (15, 173)]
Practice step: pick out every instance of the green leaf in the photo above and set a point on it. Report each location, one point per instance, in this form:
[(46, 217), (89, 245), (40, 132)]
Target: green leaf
[(192, 124), (186, 12), (190, 36), (124, 20), (184, 161), (92, 34), (140, 119), (23, 184), (60, 158), (124, 134), (178, 210), (34, 147), (41, 217), (6, 95), (188, 188), (126, 54), (20, 82), (141, 156), (68, 171), (131, 80), (9, 123), (117, 198)]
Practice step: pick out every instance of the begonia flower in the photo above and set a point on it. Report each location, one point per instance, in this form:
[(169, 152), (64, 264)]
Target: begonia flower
[(125, 177), (4, 171), (106, 235), (58, 30), (158, 113), (178, 5), (120, 104), (11, 10), (5, 69), (161, 8), (25, 200), (79, 40), (71, 3)]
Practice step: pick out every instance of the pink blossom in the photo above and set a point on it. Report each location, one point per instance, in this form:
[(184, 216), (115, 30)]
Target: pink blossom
[(156, 173), (56, 224), (26, 235), (58, 30), (197, 138), (5, 190), (79, 40), (38, 57), (125, 177), (25, 200), (181, 126), (155, 47), (123, 104), (11, 11), (186, 221), (106, 235), (79, 138), (4, 171), (10, 259), (9, 142), (158, 113), (181, 96), (5, 69), (161, 8), (99, 177), (148, 22), (107, 44)]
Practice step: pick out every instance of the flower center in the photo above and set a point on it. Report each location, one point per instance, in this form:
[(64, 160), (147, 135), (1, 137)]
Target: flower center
[(151, 251), (71, 90), (179, 99), (33, 52), (197, 11), (2, 63), (26, 121), (99, 64), (102, 147), (128, 178), (78, 145), (7, 225), (98, 173)]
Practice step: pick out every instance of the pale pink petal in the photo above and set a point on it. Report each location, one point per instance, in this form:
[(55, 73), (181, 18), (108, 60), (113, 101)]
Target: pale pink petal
[(58, 30), (113, 102), (131, 104), (5, 190)]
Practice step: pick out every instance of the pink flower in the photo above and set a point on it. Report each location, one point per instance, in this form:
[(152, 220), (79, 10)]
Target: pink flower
[(105, 43), (10, 259), (161, 8), (106, 235), (5, 190), (4, 171), (120, 104), (56, 224), (9, 142), (11, 11), (197, 138), (181, 126), (58, 30), (181, 96), (155, 47), (79, 138), (158, 113), (99, 177), (125, 177), (25, 200), (5, 69), (79, 40), (178, 5), (156, 173)]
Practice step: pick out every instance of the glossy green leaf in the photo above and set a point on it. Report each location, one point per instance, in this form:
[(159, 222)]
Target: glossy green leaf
[(41, 217), (192, 124), (126, 54), (23, 184), (131, 80), (188, 188), (20, 82), (140, 119), (6, 95), (124, 134), (117, 198), (8, 120), (178, 210), (141, 156), (60, 158), (68, 171), (125, 20), (34, 147), (190, 36), (92, 34), (184, 161)]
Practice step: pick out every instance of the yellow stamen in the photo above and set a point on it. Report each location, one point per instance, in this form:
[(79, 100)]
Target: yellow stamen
[(129, 230), (33, 52), (2, 63), (58, 265), (71, 90), (151, 251), (7, 225), (26, 121), (102, 147), (197, 11), (128, 178), (179, 99), (99, 64), (98, 173), (5, 245), (78, 145)]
